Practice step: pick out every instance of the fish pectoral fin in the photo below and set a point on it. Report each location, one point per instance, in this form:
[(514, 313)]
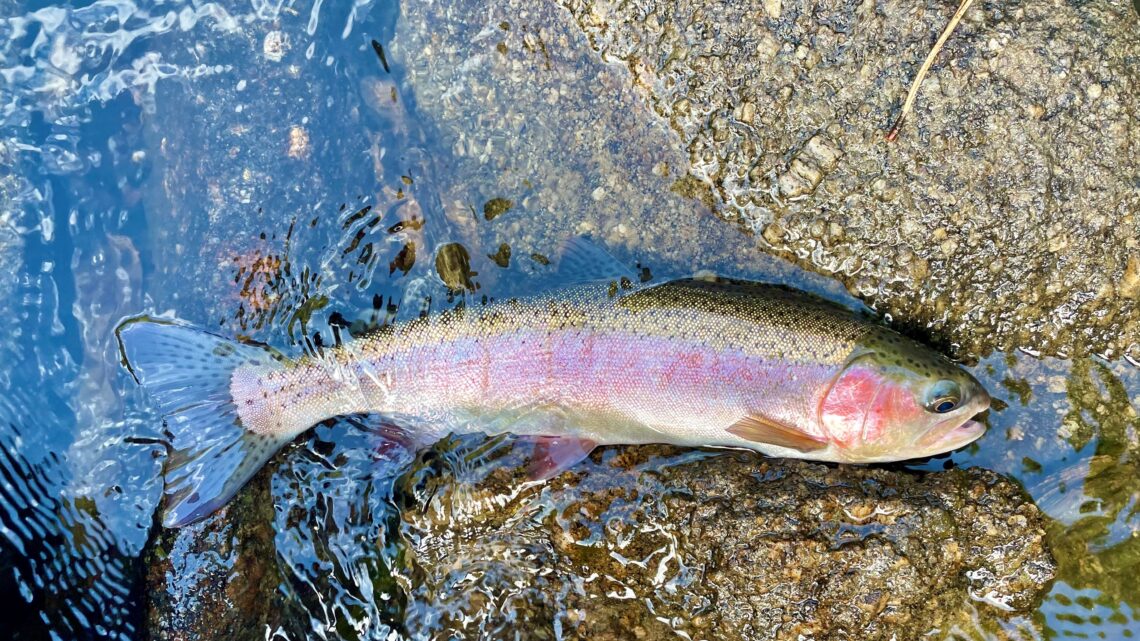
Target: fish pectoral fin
[(556, 454), (762, 429)]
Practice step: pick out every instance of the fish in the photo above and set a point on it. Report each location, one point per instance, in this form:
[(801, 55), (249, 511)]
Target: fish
[(691, 362)]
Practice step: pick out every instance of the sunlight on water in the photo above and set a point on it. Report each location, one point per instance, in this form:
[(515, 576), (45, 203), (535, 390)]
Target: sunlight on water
[(79, 94)]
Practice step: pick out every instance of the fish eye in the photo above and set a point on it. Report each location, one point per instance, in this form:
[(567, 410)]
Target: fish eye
[(945, 404), (945, 396)]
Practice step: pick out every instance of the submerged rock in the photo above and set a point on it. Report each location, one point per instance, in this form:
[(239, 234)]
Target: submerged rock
[(644, 541), (633, 542), (12, 190), (215, 579)]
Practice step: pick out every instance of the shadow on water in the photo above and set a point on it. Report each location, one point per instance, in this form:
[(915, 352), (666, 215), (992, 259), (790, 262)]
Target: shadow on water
[(268, 174)]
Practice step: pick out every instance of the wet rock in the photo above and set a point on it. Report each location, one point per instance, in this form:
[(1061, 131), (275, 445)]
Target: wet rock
[(1004, 216), (216, 579), (453, 264), (641, 542), (529, 115), (496, 207), (808, 167), (632, 542), (304, 550)]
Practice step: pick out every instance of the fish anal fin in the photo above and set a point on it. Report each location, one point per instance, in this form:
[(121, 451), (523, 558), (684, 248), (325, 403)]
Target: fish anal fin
[(556, 454), (761, 429)]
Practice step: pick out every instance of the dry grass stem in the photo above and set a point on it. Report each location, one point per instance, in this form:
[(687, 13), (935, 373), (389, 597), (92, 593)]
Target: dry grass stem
[(909, 104)]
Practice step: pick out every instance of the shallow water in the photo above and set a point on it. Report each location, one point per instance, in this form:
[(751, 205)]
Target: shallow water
[(261, 169)]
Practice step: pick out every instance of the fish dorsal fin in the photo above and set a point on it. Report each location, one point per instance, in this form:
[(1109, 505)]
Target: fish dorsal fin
[(556, 454), (761, 429), (420, 296), (581, 260)]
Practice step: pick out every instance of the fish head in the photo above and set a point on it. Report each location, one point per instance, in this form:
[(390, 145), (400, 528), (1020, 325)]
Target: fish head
[(895, 399)]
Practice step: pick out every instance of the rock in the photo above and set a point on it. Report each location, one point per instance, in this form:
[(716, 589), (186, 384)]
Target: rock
[(1020, 147), (302, 551), (496, 207), (808, 167), (1129, 286), (634, 541), (214, 579), (453, 264), (658, 541), (533, 117)]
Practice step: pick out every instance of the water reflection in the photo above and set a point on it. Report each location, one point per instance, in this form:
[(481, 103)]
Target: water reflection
[(1102, 417), (1070, 433), (336, 536), (71, 526), (1098, 546)]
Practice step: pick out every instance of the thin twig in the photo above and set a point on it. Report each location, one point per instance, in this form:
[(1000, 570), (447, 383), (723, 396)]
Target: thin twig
[(894, 133)]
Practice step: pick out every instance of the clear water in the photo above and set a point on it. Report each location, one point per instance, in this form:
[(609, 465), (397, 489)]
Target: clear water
[(259, 168)]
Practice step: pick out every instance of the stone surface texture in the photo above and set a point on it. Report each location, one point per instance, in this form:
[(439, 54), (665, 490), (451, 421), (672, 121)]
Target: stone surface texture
[(1005, 215)]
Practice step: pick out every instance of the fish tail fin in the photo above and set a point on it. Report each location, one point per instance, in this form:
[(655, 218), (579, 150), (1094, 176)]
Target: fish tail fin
[(187, 373)]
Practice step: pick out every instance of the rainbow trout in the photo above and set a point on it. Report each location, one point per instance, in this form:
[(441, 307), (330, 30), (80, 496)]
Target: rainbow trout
[(686, 362)]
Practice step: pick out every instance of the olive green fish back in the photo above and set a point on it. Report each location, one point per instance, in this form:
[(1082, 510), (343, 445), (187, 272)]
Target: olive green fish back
[(768, 321)]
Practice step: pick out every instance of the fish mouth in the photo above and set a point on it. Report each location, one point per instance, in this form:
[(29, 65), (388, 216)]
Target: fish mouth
[(957, 431), (947, 437)]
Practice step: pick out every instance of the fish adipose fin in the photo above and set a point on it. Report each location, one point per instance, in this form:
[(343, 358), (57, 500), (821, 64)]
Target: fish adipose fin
[(761, 429), (554, 455), (187, 374)]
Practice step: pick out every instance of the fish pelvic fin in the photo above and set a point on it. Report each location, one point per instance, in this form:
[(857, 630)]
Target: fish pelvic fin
[(761, 429), (187, 373), (554, 455)]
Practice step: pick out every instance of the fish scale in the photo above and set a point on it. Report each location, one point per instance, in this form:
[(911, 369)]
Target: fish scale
[(686, 362), (499, 358)]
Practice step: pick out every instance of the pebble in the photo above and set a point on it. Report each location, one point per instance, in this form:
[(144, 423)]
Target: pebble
[(274, 46), (298, 142)]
